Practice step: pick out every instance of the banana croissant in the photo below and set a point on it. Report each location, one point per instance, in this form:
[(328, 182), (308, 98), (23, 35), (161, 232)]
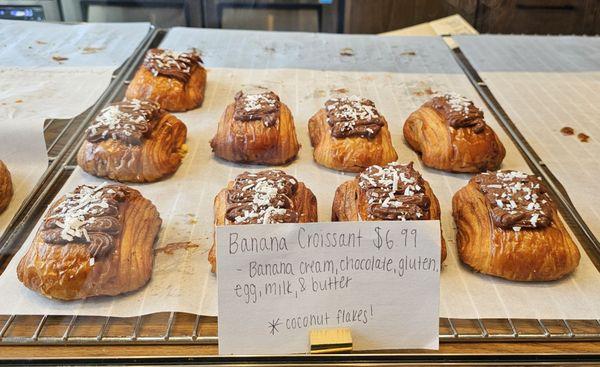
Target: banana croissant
[(133, 141), (95, 241), (175, 80), (264, 197), (350, 135), (509, 227), (451, 135), (6, 187), (390, 192), (257, 128)]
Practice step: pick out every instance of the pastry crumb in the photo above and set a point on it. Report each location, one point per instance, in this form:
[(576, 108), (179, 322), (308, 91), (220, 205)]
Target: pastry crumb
[(424, 92), (91, 50), (59, 58), (339, 90), (172, 247), (347, 51), (19, 101), (584, 138), (566, 131), (318, 93)]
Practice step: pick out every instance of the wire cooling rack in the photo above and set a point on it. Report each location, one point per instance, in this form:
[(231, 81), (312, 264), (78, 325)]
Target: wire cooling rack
[(182, 328)]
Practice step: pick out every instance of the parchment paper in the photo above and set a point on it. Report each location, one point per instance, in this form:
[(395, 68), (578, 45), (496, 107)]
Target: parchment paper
[(39, 44), (545, 84), (181, 280), (36, 87)]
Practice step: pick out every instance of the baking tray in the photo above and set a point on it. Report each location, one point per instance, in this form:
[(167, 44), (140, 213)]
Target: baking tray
[(181, 328)]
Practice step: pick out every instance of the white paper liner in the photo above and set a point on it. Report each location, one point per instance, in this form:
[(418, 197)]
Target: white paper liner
[(182, 282), (40, 44)]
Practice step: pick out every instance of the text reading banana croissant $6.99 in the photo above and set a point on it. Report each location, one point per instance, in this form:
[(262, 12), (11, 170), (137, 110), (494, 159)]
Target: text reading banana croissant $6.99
[(278, 281)]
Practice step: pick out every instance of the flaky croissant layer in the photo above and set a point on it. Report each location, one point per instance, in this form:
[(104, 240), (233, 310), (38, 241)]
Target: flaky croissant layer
[(172, 94), (452, 149), (6, 187), (351, 154), (346, 207), (537, 254), (253, 142), (303, 201), (69, 272), (155, 158)]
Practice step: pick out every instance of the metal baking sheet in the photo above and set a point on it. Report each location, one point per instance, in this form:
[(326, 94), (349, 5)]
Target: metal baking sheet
[(546, 84), (181, 281)]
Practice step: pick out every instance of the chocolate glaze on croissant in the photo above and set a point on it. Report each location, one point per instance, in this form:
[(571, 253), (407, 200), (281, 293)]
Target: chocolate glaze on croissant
[(349, 134), (257, 128), (95, 241), (175, 80), (6, 187), (508, 226), (133, 141), (451, 135), (264, 197), (390, 192)]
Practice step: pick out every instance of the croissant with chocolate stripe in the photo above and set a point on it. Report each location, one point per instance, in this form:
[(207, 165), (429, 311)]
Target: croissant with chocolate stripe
[(508, 226), (450, 134), (264, 197), (350, 135), (256, 128), (133, 141), (6, 187), (390, 192), (175, 80), (94, 241)]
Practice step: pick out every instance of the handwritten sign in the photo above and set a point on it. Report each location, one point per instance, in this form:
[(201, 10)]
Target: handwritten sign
[(279, 281)]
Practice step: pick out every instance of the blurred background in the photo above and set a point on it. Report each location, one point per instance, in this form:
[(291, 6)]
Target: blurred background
[(334, 16)]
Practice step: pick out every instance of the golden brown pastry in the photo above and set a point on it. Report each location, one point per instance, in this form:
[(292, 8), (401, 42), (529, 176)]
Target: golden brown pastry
[(451, 135), (264, 197), (95, 241), (391, 192), (257, 128), (133, 141), (175, 80), (509, 227), (350, 135), (6, 187)]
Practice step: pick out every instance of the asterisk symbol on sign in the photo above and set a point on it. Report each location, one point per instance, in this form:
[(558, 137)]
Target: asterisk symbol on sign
[(273, 326)]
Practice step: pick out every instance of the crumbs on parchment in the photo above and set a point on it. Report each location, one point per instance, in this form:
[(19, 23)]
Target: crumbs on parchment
[(567, 130), (584, 138), (347, 51), (59, 58)]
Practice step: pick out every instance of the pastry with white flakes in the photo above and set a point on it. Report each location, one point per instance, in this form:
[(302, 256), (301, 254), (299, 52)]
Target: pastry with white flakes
[(450, 134), (256, 128), (94, 241), (390, 192), (349, 134), (508, 226), (264, 197), (175, 80), (133, 141)]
